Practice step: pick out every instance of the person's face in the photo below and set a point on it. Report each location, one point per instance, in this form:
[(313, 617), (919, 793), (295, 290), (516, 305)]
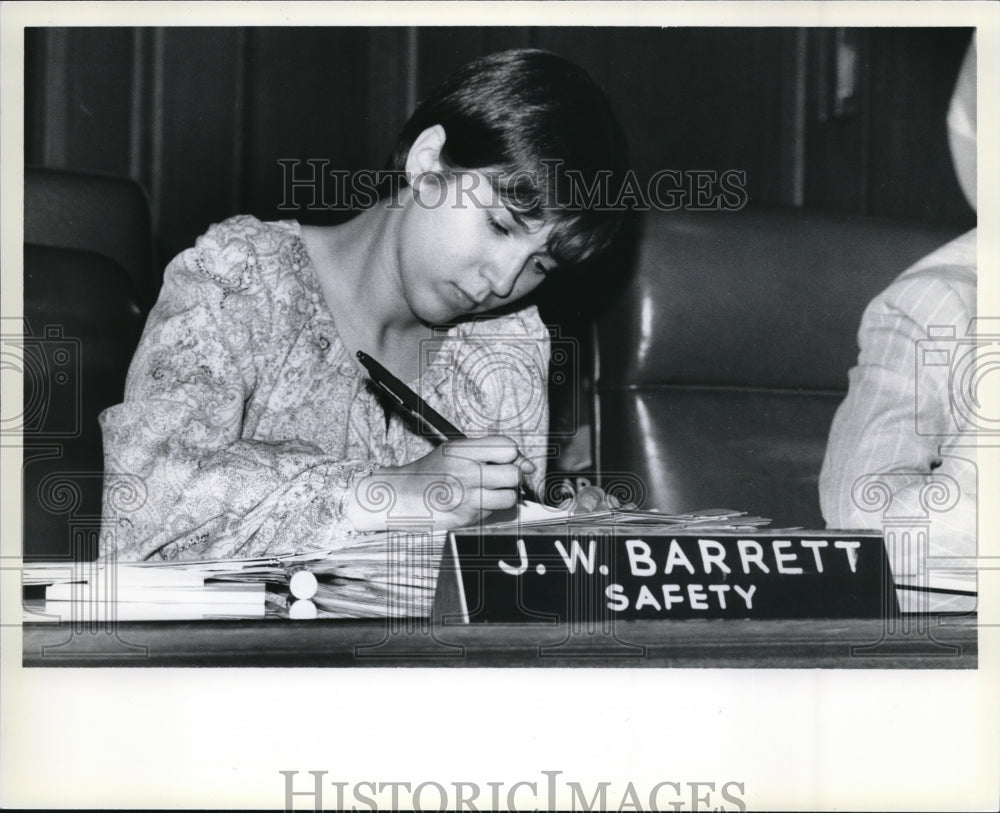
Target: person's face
[(461, 250)]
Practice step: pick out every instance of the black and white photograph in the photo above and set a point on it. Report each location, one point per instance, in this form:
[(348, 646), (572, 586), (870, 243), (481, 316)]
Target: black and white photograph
[(500, 406)]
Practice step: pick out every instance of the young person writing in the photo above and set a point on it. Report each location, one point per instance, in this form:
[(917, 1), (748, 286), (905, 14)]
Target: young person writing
[(248, 428)]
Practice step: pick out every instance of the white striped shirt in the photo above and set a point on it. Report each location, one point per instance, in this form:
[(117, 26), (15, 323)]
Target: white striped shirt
[(903, 431)]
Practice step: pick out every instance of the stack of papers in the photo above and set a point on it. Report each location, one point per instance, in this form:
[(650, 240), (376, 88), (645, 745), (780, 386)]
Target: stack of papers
[(392, 574), (89, 591)]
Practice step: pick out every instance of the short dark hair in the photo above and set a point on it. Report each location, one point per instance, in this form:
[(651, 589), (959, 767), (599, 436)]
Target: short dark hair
[(520, 114)]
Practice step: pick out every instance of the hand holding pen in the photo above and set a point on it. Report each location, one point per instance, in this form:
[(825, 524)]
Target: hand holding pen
[(469, 477)]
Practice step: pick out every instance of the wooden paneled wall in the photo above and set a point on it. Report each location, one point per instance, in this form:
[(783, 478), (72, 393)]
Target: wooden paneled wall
[(201, 117), (886, 151)]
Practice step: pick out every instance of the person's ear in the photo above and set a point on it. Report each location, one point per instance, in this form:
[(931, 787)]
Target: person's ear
[(425, 154)]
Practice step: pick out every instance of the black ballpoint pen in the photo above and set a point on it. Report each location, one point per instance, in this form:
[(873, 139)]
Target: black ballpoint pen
[(413, 403), (408, 399)]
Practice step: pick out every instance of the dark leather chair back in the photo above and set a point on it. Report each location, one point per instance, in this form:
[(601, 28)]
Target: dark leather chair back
[(83, 315), (722, 362)]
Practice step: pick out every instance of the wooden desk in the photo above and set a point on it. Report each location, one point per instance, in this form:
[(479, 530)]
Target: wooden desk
[(917, 642)]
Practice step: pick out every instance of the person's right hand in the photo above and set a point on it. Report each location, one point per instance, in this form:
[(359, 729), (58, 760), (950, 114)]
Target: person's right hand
[(458, 483)]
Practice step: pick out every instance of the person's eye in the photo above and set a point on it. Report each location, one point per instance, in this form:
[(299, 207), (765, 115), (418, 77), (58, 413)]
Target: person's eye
[(542, 268), (497, 226)]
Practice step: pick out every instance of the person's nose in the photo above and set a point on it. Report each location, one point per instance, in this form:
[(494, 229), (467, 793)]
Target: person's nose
[(502, 274)]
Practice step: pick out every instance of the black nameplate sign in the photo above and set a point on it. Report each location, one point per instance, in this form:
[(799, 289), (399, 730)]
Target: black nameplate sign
[(574, 573)]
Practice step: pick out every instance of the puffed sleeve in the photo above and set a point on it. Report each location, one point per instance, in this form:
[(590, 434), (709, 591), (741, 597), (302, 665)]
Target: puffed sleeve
[(180, 480), (891, 450), (502, 383)]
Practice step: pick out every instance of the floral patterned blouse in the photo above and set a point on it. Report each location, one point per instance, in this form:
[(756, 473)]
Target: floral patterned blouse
[(246, 423)]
